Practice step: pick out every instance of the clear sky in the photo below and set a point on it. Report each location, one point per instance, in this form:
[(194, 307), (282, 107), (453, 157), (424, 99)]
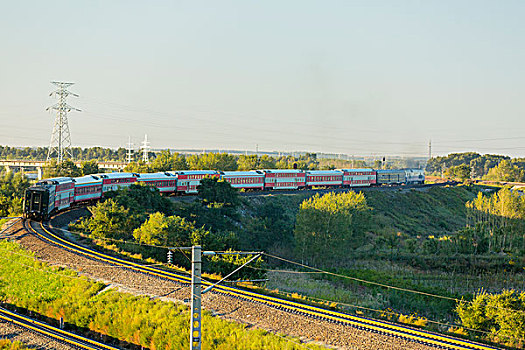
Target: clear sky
[(356, 77)]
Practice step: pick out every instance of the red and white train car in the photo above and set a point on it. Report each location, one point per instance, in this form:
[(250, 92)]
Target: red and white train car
[(64, 192), (358, 177), (88, 188), (116, 181), (165, 182), (188, 180), (324, 178), (61, 192), (287, 179), (249, 180)]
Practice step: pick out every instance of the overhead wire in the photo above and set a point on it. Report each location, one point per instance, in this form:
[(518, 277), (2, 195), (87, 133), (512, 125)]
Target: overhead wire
[(381, 284)]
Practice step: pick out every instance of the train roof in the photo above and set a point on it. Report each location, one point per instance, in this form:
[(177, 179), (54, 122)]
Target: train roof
[(282, 171), (83, 180), (324, 172), (55, 181), (357, 169), (193, 172), (159, 175), (242, 173), (390, 170), (115, 175)]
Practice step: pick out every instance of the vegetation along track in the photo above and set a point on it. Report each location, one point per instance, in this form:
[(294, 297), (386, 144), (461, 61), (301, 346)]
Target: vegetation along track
[(41, 328), (382, 328)]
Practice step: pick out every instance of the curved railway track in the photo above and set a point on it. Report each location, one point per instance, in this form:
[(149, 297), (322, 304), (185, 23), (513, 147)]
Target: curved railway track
[(359, 322), (51, 332)]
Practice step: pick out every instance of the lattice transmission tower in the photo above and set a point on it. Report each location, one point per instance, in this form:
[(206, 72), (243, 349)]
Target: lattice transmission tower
[(129, 154), (145, 149), (60, 145)]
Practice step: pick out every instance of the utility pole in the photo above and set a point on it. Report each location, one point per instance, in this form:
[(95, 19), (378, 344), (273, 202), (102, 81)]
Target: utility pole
[(196, 314), (129, 155), (145, 148), (429, 149), (196, 288), (60, 145)]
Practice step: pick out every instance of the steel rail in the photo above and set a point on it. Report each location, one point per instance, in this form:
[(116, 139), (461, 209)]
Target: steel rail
[(360, 322), (52, 332)]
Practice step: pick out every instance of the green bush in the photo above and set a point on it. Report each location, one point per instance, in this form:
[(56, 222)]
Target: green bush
[(501, 315), (6, 344)]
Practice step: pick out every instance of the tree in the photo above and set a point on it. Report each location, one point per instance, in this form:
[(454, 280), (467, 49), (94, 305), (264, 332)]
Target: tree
[(501, 217), (166, 161), (13, 185), (460, 172), (141, 199), (12, 188), (331, 225), (169, 230), (212, 161), (271, 227), (501, 315), (247, 162), (5, 205), (215, 191), (89, 167), (266, 162), (506, 171), (65, 168), (108, 220), (138, 167)]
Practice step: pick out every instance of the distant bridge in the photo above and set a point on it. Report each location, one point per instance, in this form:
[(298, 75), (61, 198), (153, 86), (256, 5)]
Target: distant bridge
[(39, 164)]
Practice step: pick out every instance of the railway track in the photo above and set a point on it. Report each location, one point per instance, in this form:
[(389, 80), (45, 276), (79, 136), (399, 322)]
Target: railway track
[(340, 318), (48, 331)]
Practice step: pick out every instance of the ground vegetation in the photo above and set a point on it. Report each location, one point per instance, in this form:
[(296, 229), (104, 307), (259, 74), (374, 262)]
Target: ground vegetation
[(51, 293)]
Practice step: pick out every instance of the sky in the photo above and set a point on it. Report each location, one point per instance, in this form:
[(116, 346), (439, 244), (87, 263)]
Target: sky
[(353, 77)]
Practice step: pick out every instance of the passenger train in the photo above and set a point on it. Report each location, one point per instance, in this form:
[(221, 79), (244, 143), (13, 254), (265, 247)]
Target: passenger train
[(55, 194)]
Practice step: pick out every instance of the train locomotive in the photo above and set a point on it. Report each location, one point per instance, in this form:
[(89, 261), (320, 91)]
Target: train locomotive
[(52, 195)]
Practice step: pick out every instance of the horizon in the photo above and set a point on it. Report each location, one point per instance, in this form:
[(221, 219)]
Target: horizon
[(275, 153)]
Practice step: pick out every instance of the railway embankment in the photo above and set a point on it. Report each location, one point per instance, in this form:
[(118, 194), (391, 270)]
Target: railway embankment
[(252, 316)]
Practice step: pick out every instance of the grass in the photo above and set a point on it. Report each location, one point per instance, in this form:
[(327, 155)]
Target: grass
[(397, 306), (54, 292), (6, 344), (415, 212)]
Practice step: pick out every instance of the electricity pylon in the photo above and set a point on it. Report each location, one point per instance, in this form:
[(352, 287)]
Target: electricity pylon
[(60, 145), (145, 149), (129, 155)]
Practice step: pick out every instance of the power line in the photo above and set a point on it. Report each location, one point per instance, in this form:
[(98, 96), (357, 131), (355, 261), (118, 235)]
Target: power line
[(381, 284)]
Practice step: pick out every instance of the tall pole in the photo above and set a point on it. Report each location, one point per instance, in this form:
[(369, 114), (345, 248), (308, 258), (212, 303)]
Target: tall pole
[(195, 327), (60, 145), (129, 155), (196, 286), (145, 149)]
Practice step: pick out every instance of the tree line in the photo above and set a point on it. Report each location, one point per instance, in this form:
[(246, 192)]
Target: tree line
[(469, 165), (40, 153), (496, 223), (166, 160)]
